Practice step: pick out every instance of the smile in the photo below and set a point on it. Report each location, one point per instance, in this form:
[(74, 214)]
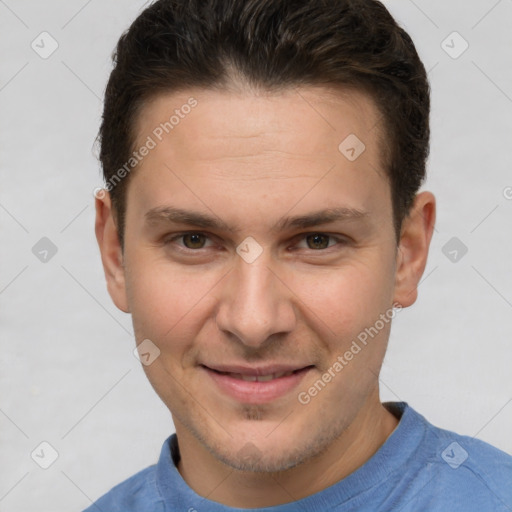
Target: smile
[(257, 378), (251, 388)]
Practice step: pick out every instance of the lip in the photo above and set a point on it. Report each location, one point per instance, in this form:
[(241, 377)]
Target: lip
[(256, 392), (255, 370)]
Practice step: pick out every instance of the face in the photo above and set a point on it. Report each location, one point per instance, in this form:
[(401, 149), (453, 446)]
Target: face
[(255, 245)]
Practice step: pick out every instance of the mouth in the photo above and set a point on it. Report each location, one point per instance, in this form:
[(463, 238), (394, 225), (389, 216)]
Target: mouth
[(256, 386), (258, 378)]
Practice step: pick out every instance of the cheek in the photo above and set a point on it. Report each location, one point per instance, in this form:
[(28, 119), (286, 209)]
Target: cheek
[(166, 301), (345, 299)]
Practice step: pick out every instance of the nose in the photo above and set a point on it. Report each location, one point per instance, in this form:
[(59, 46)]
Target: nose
[(255, 304)]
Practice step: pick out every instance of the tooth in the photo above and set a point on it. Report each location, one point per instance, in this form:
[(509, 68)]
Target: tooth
[(248, 378), (259, 378), (266, 378)]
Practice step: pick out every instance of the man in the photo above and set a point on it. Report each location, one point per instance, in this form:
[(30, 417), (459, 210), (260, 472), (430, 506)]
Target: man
[(262, 224)]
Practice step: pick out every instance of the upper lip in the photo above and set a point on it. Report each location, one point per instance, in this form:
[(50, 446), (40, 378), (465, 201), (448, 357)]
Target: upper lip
[(256, 371)]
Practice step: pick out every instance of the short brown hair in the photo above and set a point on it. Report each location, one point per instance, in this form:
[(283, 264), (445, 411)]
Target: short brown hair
[(274, 44)]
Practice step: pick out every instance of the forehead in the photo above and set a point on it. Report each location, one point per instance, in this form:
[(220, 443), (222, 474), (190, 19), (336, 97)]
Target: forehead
[(307, 121), (258, 144)]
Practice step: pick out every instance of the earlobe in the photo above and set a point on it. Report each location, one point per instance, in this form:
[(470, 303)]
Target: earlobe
[(111, 253), (416, 234)]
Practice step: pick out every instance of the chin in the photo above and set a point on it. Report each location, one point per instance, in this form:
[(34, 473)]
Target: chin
[(250, 458)]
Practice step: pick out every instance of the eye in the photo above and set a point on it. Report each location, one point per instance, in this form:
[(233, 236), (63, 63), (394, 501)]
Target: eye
[(192, 241), (319, 241)]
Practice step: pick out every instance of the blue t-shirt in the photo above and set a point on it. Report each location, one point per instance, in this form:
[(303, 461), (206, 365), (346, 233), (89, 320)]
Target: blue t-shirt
[(419, 468)]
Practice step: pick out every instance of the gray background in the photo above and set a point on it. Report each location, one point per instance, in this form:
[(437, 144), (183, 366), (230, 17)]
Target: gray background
[(67, 372)]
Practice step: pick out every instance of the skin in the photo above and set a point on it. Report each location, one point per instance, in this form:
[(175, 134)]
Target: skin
[(250, 159)]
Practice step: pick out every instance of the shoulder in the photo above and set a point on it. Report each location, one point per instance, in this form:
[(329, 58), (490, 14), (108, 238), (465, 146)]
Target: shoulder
[(137, 493), (486, 462), (142, 492), (459, 450), (466, 470)]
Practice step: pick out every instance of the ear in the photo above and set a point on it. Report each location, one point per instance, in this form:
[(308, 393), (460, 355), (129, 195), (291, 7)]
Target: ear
[(416, 233), (110, 249)]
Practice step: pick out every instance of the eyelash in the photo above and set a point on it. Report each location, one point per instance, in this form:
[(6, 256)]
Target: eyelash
[(339, 240)]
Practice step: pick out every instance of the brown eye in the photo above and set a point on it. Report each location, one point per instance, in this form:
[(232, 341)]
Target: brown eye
[(194, 240), (318, 241)]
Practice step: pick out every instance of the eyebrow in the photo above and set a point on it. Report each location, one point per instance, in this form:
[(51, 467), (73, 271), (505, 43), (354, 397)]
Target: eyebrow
[(173, 215)]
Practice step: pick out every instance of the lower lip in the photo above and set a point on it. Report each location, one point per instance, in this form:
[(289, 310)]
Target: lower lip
[(257, 392)]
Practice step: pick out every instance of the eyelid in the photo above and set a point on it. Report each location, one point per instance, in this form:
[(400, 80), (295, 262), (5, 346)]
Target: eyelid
[(340, 239), (337, 238), (176, 236)]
